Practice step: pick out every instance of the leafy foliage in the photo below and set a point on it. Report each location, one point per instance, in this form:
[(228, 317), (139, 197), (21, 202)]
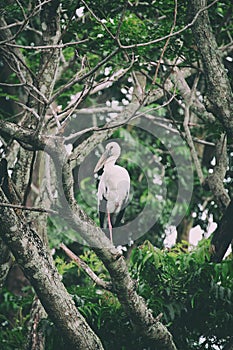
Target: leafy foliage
[(194, 295), (14, 314)]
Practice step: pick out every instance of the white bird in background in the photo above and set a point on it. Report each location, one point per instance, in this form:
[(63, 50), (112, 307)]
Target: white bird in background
[(113, 189)]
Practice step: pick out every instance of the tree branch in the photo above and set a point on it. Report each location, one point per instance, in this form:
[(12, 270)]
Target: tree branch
[(86, 268), (39, 268), (215, 180), (134, 305), (23, 207), (219, 94), (23, 135), (79, 79), (165, 37)]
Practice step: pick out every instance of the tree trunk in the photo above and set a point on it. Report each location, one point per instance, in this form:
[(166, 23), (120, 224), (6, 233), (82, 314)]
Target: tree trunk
[(223, 235), (219, 95), (220, 102), (39, 268)]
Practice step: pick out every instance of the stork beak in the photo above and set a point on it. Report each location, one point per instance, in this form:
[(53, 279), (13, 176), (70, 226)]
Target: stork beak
[(102, 161)]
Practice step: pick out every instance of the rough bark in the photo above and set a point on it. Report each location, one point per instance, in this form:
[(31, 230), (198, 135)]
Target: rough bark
[(215, 180), (36, 337), (219, 102), (223, 235), (219, 95), (38, 266), (51, 34), (5, 262)]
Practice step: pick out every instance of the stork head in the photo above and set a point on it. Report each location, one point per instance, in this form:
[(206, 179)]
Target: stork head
[(112, 152)]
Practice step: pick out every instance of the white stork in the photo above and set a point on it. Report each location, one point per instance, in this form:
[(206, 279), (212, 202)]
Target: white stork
[(113, 189)]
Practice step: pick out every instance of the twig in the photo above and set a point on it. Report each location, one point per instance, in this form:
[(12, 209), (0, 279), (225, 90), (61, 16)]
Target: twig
[(121, 21), (106, 285), (23, 207), (47, 47), (22, 9), (85, 76), (166, 44), (97, 19)]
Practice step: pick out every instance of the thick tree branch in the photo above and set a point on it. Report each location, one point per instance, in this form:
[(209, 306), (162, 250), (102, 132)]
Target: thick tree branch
[(23, 135), (219, 94), (39, 268)]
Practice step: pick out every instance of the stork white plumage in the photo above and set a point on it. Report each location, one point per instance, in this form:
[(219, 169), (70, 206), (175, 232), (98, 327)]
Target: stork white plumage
[(113, 189)]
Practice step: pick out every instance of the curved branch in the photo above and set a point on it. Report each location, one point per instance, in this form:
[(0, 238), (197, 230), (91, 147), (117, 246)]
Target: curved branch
[(189, 25), (135, 306)]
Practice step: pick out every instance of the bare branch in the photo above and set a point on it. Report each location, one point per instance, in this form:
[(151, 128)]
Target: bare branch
[(178, 76), (23, 207), (79, 79), (86, 268), (47, 47), (23, 135)]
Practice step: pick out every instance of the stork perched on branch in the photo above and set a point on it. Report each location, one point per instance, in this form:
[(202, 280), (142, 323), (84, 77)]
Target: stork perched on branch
[(113, 189)]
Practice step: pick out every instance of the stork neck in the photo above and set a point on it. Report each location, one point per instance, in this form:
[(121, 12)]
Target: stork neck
[(110, 162)]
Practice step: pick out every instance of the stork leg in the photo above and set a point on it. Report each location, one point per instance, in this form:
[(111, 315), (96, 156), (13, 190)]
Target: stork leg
[(110, 226)]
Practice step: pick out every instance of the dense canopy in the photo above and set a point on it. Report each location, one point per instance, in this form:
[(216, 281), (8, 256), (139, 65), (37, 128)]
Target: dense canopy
[(155, 76)]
